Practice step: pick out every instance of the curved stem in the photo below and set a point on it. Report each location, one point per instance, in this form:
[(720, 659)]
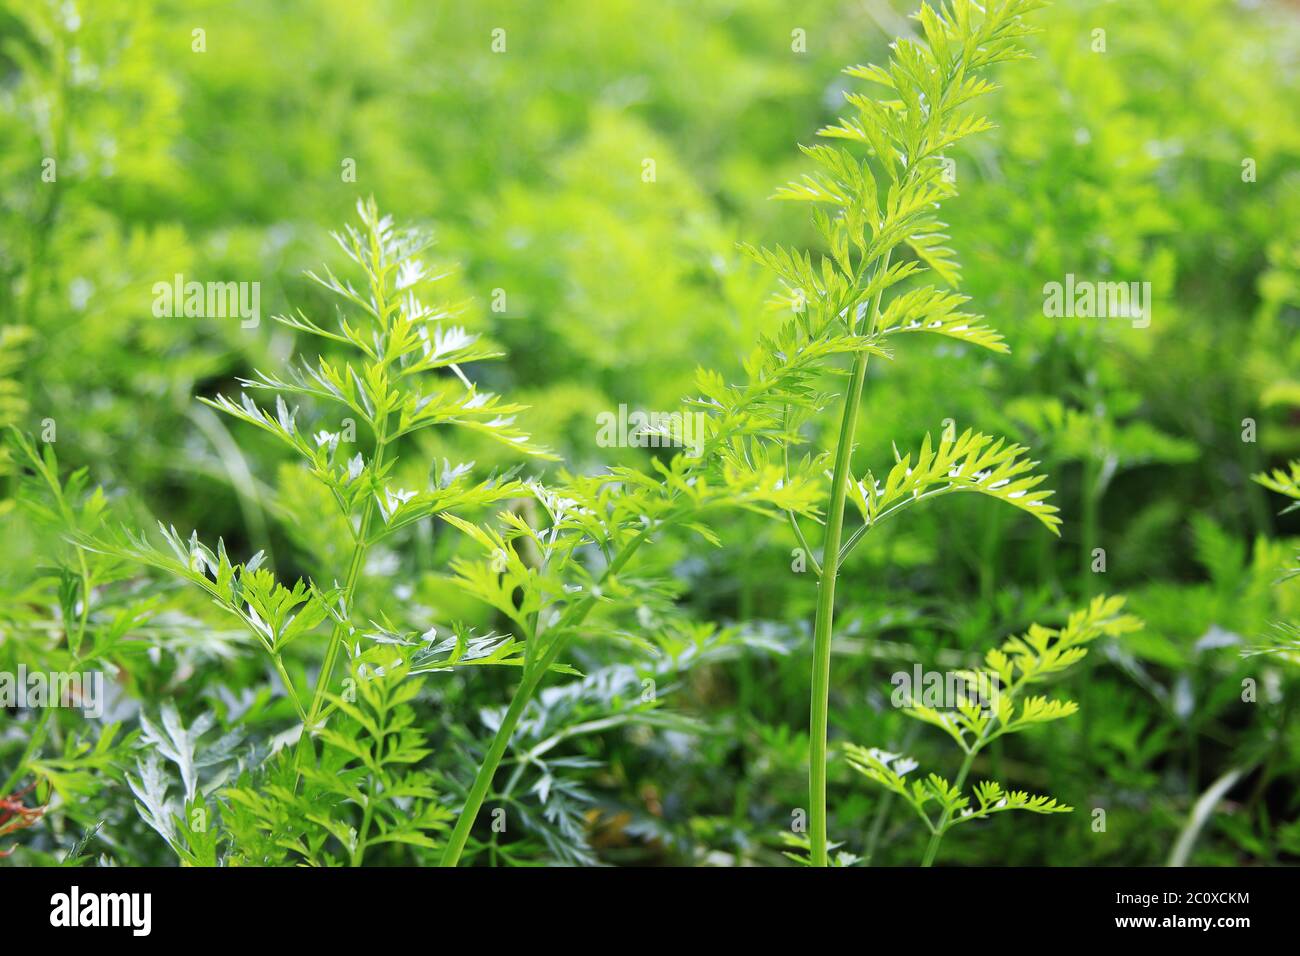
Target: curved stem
[(358, 561), (936, 837), (523, 694), (83, 619), (292, 691), (491, 760), (1201, 812), (803, 543), (986, 736)]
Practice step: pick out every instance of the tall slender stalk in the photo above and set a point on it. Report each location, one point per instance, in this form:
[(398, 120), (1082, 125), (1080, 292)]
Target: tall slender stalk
[(907, 139), (821, 661), (359, 549), (361, 543), (819, 716)]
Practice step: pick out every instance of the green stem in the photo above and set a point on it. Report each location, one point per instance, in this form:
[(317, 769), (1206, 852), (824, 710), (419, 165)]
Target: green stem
[(487, 769), (523, 694), (985, 737), (359, 851), (280, 669), (359, 549), (13, 779), (821, 664), (936, 837), (1202, 811), (84, 617), (877, 827)]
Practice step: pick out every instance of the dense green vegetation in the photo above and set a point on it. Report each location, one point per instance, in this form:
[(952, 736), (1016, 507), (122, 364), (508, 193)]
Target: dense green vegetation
[(398, 487)]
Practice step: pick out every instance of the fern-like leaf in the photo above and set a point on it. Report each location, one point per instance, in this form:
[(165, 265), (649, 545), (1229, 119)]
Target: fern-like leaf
[(971, 462)]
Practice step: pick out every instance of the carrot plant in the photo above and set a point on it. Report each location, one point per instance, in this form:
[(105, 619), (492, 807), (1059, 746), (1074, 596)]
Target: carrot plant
[(406, 374), (977, 720), (553, 570), (409, 378), (571, 571), (876, 216), (77, 617), (377, 649)]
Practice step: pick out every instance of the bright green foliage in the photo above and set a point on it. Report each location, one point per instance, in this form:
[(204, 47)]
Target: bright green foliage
[(235, 806), (1284, 482), (971, 462), (362, 793), (395, 391), (671, 726), (884, 206), (401, 340), (100, 626), (13, 405), (1000, 707), (74, 511), (562, 576)]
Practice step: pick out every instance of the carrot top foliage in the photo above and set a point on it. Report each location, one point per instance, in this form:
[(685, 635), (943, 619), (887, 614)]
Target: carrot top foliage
[(882, 207), (618, 540)]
